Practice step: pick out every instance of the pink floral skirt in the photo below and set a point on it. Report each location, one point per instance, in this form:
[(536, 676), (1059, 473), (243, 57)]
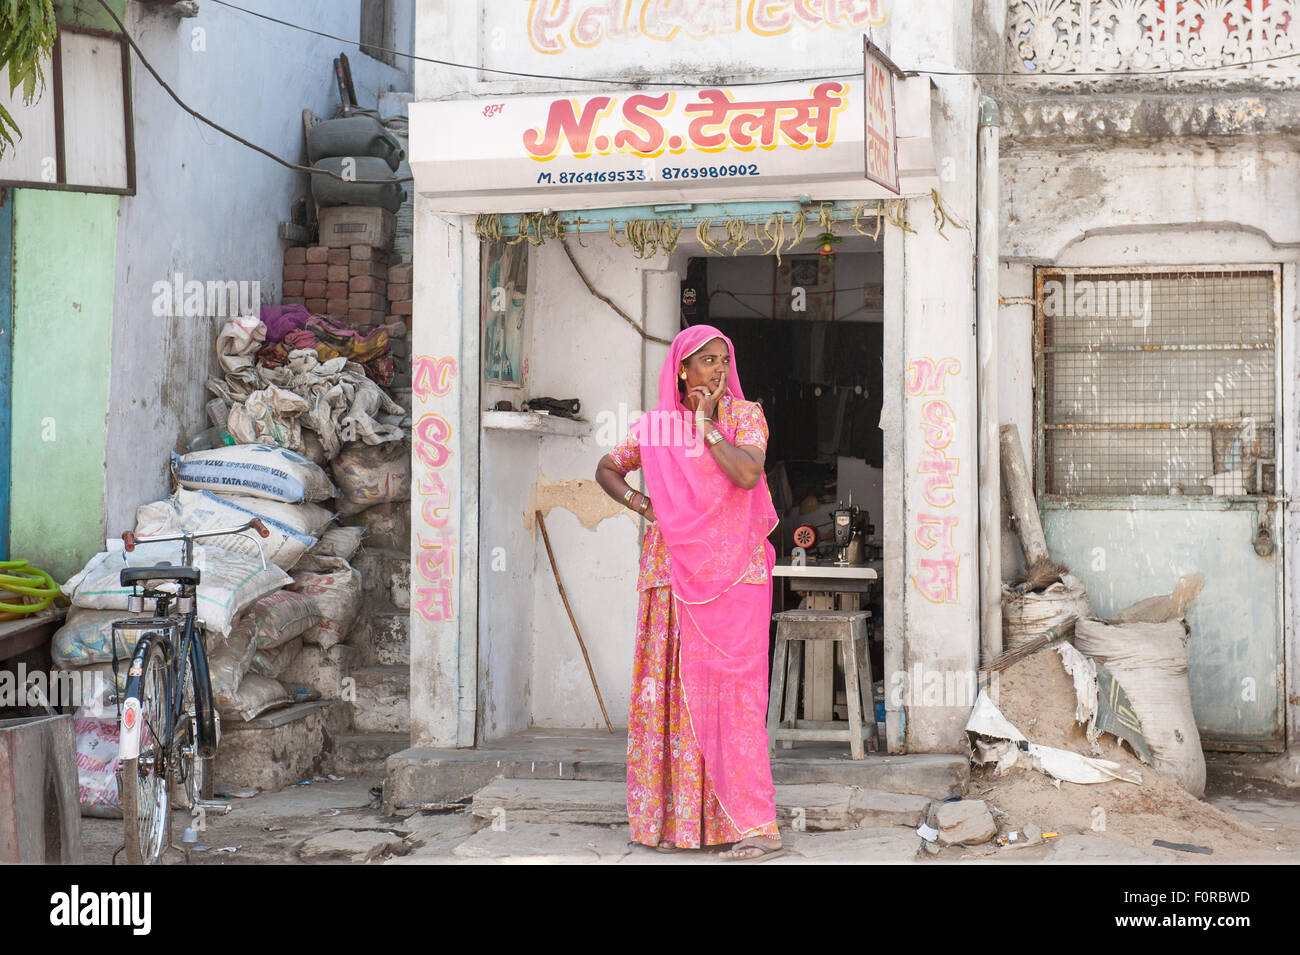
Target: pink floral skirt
[(669, 797)]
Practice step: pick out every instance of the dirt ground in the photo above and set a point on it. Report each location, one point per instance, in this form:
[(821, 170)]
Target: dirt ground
[(1037, 696)]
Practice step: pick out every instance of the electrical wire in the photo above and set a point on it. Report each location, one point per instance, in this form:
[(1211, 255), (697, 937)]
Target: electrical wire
[(804, 79), (310, 170), (144, 60)]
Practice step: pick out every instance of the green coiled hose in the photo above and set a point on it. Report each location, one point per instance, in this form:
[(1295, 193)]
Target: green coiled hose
[(17, 576)]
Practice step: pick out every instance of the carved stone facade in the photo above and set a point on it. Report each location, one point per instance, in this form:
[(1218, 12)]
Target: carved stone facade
[(1178, 42)]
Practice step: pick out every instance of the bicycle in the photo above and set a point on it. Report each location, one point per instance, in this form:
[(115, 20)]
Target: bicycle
[(169, 730)]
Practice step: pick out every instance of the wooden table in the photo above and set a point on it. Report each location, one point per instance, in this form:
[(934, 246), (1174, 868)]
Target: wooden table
[(828, 586), (32, 631)]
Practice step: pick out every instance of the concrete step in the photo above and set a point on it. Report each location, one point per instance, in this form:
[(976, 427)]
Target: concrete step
[(382, 701), (817, 808), (356, 754), (420, 777), (385, 575), (382, 637), (279, 749), (387, 526)]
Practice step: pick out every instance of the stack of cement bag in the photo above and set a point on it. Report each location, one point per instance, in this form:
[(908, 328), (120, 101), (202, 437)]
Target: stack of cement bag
[(260, 620)]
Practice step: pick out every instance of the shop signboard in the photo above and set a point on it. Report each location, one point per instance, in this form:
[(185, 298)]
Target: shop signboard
[(880, 123), (600, 149)]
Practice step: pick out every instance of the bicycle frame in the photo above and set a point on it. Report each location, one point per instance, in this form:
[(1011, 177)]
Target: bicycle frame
[(190, 645)]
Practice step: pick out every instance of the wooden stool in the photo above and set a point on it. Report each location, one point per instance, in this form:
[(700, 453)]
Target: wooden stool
[(845, 627)]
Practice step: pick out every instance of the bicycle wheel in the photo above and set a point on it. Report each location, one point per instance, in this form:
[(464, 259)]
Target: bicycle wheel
[(146, 803), (196, 771)]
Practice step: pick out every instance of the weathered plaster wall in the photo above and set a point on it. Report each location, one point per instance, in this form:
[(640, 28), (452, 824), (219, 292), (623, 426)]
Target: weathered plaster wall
[(206, 207), (63, 313), (583, 349)]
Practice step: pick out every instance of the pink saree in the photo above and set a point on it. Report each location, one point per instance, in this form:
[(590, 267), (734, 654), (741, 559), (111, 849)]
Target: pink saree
[(711, 528)]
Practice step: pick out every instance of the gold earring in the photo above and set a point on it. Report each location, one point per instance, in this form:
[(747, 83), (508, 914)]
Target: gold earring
[(683, 376)]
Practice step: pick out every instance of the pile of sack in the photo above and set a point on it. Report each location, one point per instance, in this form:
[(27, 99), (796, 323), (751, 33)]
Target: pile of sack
[(266, 625), (304, 383)]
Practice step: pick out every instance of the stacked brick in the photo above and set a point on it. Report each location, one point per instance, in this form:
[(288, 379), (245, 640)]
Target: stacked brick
[(399, 310), (348, 285)]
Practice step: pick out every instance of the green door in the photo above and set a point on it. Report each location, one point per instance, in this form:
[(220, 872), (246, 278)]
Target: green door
[(1159, 426)]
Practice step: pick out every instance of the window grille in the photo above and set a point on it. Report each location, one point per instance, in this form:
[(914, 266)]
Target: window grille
[(1157, 382)]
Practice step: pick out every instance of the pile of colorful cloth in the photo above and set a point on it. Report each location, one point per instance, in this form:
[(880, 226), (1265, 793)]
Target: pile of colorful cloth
[(311, 399), (292, 328)]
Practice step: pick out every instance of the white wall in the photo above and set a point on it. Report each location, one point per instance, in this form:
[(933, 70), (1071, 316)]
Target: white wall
[(207, 207)]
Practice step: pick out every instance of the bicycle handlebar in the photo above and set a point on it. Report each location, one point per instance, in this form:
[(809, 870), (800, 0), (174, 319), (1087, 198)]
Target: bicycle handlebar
[(130, 540)]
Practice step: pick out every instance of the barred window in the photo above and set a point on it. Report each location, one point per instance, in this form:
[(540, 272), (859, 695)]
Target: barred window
[(1157, 382)]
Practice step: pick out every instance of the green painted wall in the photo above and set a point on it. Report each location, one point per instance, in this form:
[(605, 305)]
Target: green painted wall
[(64, 248)]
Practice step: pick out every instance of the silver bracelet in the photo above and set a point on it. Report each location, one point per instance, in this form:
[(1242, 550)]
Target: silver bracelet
[(714, 437), (628, 496)]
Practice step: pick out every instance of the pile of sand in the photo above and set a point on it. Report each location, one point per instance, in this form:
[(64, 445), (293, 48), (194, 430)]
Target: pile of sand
[(1037, 696)]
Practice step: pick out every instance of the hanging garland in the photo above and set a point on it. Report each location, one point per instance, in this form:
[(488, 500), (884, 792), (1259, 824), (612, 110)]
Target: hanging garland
[(649, 237)]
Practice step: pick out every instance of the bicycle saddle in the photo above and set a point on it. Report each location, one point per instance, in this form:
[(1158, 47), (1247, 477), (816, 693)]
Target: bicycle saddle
[(183, 575)]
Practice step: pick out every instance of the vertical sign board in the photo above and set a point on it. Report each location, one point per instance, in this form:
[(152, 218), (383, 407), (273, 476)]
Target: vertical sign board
[(881, 130)]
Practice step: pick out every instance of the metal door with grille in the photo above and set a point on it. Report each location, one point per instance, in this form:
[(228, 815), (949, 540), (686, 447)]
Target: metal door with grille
[(1159, 428)]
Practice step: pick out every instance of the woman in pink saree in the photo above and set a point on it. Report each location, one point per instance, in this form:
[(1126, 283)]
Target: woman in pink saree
[(698, 771)]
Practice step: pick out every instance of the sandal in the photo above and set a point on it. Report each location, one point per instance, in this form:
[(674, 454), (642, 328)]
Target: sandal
[(669, 847), (765, 852)]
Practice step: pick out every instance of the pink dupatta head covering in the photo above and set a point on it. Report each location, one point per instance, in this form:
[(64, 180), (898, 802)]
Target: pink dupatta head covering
[(712, 528)]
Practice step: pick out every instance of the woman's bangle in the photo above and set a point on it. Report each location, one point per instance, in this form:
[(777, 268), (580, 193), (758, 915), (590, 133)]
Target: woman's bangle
[(714, 437), (645, 503), (628, 497)]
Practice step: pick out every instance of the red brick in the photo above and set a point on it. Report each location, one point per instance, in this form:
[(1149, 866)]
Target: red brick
[(339, 257), (399, 293), (313, 289), (295, 273), (293, 289), (293, 300), (367, 300), (336, 306), (374, 269), (365, 253), (401, 308), (337, 273), (317, 272), (367, 283), (400, 273), (317, 254), (315, 305), (364, 316), (295, 255), (336, 290)]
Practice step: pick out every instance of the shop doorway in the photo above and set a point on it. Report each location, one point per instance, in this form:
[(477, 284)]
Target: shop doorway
[(808, 333)]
